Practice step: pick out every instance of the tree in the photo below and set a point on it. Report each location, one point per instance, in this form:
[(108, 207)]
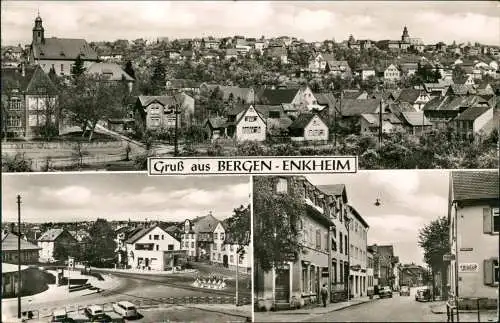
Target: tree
[(433, 238), (99, 245), (78, 67), (276, 224), (129, 69), (239, 225), (62, 251), (158, 78), (90, 99), (52, 74), (459, 76)]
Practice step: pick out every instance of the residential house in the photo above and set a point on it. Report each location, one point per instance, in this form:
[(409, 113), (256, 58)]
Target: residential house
[(411, 275), (215, 128), (231, 53), (339, 68), (308, 127), (153, 248), (474, 220), (29, 251), (59, 54), (249, 124), (29, 100), (231, 94), (384, 263), (293, 100), (473, 121), (224, 250), (370, 123), (277, 120), (437, 89), (111, 72), (366, 73), (53, 239), (349, 111), (461, 90), (298, 281), (415, 98), (354, 94), (198, 237), (370, 281), (408, 69), (159, 112), (358, 235), (415, 122), (392, 74), (318, 62), (210, 43), (441, 110)]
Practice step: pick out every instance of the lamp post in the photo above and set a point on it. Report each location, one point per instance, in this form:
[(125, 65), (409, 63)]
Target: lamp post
[(19, 256), (380, 122)]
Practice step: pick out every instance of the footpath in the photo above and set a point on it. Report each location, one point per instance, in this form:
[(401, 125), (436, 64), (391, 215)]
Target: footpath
[(467, 315), (299, 314)]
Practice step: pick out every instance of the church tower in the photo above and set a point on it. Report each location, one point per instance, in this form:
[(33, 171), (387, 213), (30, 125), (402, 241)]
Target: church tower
[(38, 31), (405, 38)]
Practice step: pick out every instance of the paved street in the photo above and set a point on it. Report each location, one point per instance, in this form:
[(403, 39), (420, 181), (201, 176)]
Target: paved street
[(396, 309)]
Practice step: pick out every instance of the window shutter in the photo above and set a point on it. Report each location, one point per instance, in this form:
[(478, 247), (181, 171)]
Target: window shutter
[(487, 220), (488, 271)]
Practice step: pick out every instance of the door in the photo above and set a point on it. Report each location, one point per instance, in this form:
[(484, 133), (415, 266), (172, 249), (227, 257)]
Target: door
[(225, 261), (282, 284)]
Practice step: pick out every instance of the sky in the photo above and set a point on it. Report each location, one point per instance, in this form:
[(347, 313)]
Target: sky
[(409, 200), (119, 196), (433, 21)]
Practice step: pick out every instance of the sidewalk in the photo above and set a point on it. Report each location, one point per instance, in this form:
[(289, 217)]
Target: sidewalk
[(466, 315), (298, 314), (145, 272), (230, 309)]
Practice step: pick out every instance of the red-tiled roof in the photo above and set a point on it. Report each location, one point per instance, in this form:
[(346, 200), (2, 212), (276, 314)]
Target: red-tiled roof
[(475, 185)]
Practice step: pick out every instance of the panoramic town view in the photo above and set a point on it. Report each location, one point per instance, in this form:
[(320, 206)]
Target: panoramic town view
[(412, 90), (379, 246), (103, 250)]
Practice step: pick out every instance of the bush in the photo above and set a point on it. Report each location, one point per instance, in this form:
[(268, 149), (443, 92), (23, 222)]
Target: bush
[(251, 148), (18, 163), (215, 149), (188, 150)]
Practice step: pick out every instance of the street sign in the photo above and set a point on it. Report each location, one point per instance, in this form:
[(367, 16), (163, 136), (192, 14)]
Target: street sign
[(468, 267)]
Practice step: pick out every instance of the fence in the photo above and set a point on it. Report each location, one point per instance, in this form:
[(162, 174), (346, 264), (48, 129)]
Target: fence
[(61, 145)]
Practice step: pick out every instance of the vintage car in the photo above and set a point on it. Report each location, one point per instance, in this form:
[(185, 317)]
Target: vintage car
[(404, 291), (385, 291), (423, 294)]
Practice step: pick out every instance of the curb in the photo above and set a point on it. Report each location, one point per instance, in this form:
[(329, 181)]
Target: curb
[(294, 312), (221, 312)]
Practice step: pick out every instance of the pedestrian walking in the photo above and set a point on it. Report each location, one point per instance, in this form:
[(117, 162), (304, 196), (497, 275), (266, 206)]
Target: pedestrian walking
[(324, 294)]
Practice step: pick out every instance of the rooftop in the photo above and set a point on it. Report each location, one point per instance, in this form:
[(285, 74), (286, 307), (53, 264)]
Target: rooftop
[(475, 185)]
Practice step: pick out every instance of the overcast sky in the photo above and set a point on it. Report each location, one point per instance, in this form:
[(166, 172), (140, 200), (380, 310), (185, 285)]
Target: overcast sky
[(409, 200), (70, 197), (432, 21)]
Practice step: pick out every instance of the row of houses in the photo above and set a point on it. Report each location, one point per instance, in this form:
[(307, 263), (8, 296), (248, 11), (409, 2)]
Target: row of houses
[(334, 235)]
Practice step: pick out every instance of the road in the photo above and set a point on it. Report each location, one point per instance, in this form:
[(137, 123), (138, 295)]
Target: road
[(396, 309), (132, 287)]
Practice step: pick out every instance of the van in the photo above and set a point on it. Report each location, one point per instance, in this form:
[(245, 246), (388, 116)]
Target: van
[(125, 309)]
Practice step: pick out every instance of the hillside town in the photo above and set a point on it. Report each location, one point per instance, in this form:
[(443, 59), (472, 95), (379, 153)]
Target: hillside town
[(100, 262), (315, 261), (242, 96)]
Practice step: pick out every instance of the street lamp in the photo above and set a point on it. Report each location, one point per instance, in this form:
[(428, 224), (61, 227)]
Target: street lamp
[(377, 202)]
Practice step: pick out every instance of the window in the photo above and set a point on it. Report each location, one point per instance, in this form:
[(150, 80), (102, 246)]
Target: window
[(150, 237), (218, 256), (250, 130), (156, 237), (214, 255), (240, 259), (341, 271), (282, 185), (491, 271), (341, 249), (251, 118), (13, 121), (318, 239), (345, 244), (215, 236), (231, 259), (223, 247), (192, 244), (222, 236), (157, 247), (491, 220), (155, 122), (215, 246), (170, 247), (15, 104)]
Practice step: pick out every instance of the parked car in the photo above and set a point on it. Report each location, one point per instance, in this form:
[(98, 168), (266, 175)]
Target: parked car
[(423, 294), (59, 315), (404, 291), (385, 291), (125, 309), (96, 314)]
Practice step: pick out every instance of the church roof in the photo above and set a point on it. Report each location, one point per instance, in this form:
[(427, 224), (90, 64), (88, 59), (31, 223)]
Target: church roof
[(63, 49)]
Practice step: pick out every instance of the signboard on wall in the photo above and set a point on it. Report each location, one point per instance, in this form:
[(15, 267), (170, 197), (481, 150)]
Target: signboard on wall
[(468, 267)]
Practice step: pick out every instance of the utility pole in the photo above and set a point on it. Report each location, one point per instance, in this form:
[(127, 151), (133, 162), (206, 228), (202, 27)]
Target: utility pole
[(380, 122), (19, 256), (237, 270), (348, 248)]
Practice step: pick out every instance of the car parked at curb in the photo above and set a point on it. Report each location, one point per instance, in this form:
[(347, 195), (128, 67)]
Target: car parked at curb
[(125, 309), (404, 291), (385, 291), (423, 294)]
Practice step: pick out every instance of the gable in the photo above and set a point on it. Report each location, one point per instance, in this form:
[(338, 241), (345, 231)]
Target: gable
[(250, 112), (155, 231), (316, 122)]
